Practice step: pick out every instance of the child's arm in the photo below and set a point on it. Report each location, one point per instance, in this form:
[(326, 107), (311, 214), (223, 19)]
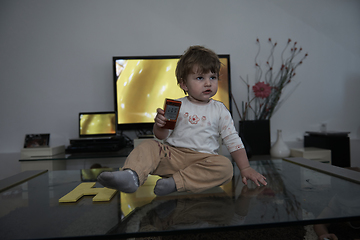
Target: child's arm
[(246, 171), (160, 120)]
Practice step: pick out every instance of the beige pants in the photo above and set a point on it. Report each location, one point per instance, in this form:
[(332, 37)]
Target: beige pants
[(191, 170)]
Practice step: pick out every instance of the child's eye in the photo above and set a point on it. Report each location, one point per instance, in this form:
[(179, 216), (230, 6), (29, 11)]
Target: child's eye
[(199, 78), (213, 77)]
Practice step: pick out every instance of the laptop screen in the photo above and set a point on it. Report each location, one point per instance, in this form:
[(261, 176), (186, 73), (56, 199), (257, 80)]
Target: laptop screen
[(97, 124)]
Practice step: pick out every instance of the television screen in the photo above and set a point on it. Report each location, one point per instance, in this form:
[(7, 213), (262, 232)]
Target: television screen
[(142, 84)]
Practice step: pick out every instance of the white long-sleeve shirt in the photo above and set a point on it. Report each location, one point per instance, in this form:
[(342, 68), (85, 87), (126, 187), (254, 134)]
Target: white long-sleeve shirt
[(199, 127)]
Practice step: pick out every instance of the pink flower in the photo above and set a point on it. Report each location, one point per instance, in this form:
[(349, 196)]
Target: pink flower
[(262, 90), (194, 119)]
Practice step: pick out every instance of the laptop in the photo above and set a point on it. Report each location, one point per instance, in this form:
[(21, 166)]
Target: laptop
[(96, 125), (96, 134)]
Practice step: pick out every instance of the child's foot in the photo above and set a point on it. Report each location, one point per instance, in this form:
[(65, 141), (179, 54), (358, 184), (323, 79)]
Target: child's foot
[(125, 181), (165, 186)]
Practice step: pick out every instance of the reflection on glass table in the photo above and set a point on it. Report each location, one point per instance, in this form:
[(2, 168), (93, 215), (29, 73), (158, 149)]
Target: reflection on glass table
[(295, 195)]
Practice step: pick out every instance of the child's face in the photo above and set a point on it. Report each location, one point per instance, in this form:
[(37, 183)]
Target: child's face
[(200, 86)]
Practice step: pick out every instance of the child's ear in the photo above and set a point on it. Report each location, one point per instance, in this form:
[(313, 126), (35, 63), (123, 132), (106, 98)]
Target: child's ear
[(183, 86)]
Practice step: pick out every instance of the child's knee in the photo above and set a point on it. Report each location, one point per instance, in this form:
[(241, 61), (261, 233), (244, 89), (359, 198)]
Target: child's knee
[(222, 167), (225, 165), (229, 168)]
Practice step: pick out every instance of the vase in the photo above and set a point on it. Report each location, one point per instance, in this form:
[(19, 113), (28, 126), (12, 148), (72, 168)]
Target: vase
[(255, 135), (279, 149)]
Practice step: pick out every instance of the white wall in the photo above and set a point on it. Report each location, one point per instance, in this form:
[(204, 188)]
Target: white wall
[(55, 57)]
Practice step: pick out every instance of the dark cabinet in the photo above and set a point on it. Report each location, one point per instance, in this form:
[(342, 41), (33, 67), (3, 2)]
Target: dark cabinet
[(337, 142)]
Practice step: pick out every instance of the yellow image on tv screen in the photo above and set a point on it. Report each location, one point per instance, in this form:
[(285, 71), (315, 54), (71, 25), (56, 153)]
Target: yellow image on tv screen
[(142, 86), (96, 124)]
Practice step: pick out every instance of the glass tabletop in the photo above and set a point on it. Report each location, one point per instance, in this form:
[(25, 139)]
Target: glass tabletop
[(295, 195)]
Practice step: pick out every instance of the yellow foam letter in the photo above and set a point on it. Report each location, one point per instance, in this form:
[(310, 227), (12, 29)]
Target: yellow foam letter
[(86, 189)]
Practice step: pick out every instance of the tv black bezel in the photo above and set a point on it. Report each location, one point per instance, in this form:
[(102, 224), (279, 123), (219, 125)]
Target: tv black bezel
[(149, 125)]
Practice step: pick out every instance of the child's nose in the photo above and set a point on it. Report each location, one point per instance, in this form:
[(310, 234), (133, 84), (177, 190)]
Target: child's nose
[(207, 82)]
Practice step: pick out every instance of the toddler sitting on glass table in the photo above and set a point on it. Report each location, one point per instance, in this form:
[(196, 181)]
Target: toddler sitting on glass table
[(188, 159)]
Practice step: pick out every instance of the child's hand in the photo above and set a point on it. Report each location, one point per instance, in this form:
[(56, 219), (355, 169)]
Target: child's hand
[(329, 236), (160, 119), (250, 173)]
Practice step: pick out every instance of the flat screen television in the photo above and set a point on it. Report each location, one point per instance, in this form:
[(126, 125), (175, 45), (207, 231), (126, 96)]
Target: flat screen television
[(141, 85)]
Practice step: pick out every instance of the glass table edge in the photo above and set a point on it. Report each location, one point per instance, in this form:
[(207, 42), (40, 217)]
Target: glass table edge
[(343, 173)]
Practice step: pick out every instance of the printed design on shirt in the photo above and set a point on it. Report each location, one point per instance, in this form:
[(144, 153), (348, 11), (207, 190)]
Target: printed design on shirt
[(194, 119), (240, 146), (226, 130), (204, 122), (186, 115), (233, 147), (234, 144)]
